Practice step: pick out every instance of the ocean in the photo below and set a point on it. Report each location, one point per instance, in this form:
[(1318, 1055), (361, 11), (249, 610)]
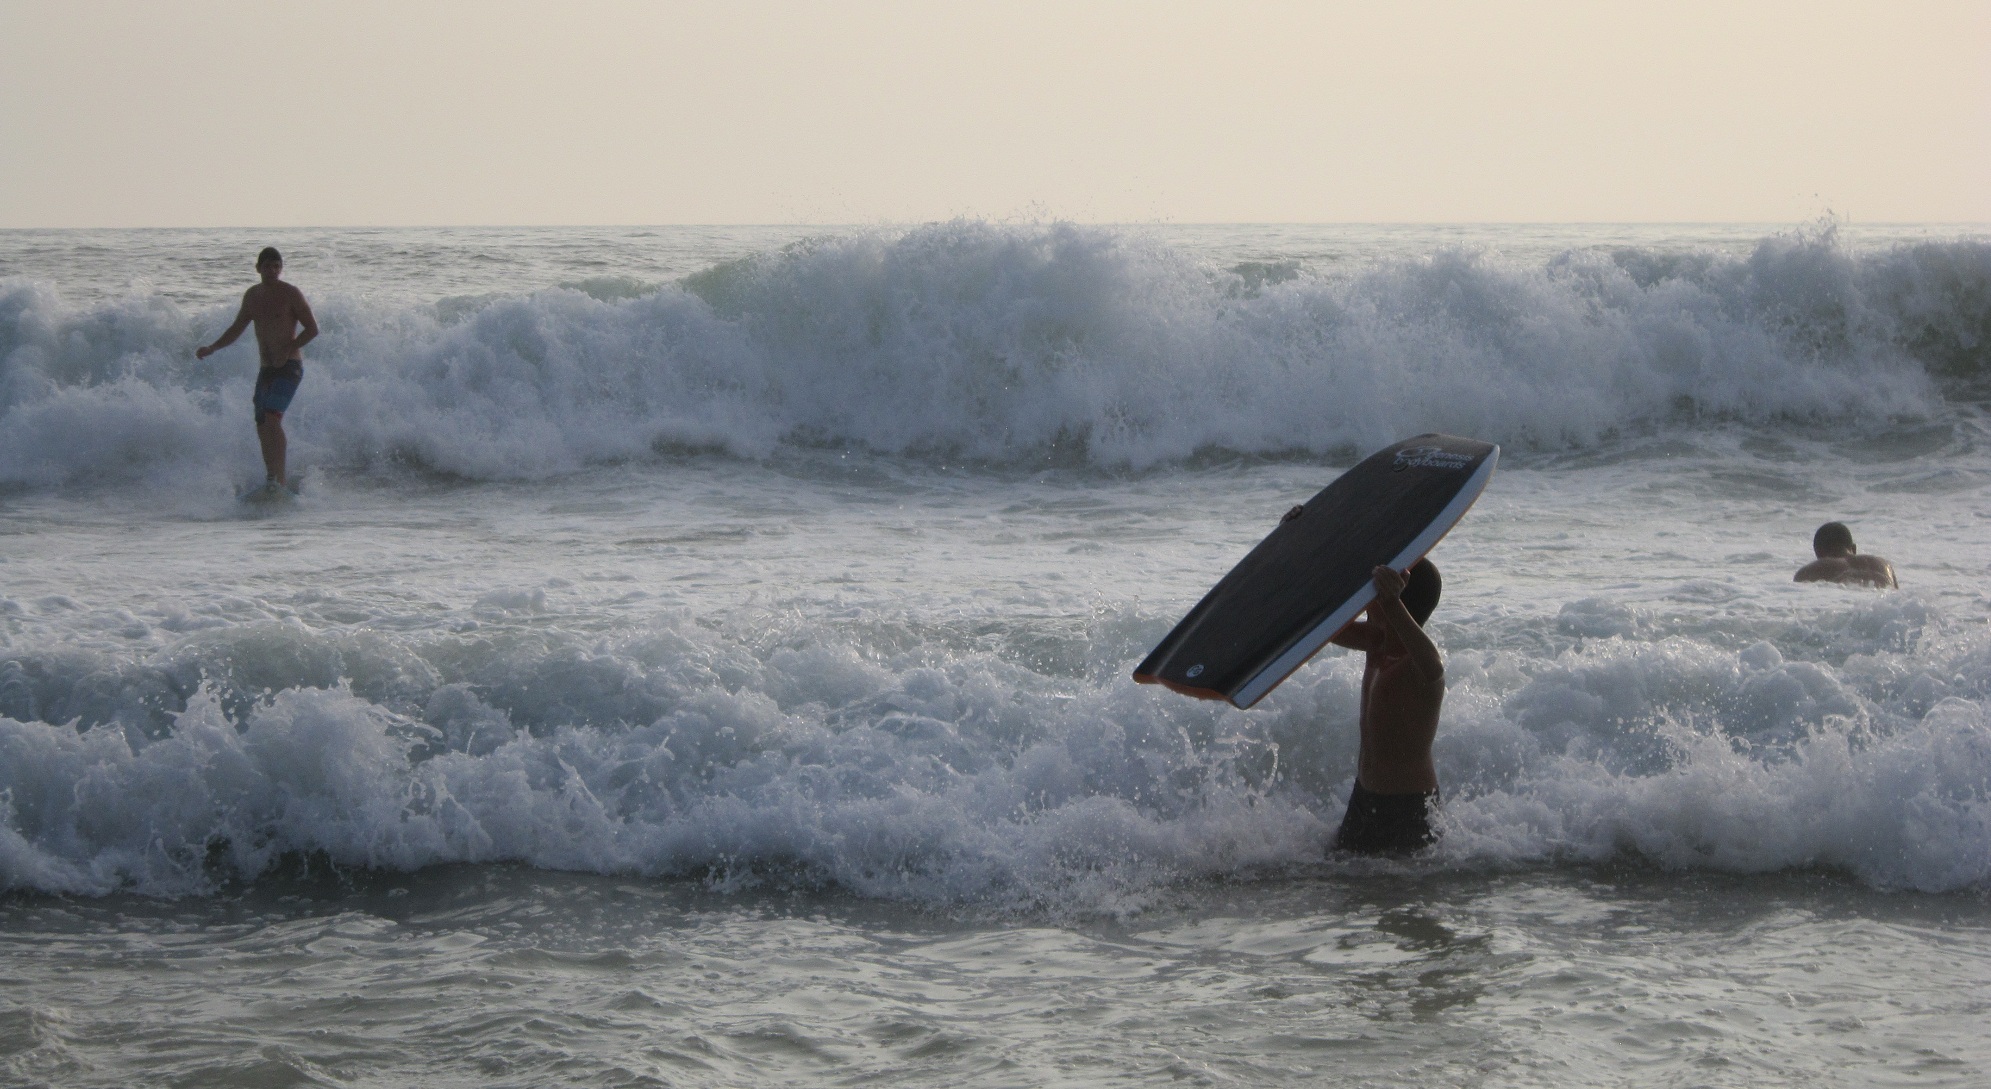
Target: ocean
[(701, 657)]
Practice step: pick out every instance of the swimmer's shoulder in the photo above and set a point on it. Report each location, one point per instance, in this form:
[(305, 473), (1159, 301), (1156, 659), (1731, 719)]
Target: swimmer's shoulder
[(1829, 569), (1873, 569)]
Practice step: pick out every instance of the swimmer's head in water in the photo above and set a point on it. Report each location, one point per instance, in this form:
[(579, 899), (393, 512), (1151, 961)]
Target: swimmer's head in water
[(268, 255), (1421, 587), (1833, 539)]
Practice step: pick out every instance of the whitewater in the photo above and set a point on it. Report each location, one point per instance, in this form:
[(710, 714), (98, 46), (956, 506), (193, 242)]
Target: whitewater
[(701, 656)]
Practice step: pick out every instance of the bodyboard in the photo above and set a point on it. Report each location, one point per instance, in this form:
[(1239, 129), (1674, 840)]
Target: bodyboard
[(1311, 577)]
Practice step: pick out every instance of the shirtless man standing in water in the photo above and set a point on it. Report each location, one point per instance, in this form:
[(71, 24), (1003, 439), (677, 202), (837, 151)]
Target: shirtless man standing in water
[(1403, 686), (278, 309)]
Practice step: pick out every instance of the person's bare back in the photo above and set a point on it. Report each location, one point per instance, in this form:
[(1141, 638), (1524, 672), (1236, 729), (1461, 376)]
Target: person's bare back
[(1839, 561)]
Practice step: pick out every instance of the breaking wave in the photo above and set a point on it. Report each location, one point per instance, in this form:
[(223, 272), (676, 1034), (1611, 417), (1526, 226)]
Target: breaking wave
[(967, 340), (812, 751)]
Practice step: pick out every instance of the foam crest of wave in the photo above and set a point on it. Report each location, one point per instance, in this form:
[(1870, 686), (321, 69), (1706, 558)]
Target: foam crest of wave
[(809, 751), (972, 340)]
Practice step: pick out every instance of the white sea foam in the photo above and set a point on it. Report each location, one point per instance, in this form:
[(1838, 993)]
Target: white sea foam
[(812, 752), (1076, 345)]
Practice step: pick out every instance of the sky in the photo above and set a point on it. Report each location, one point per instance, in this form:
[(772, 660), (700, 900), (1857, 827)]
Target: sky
[(121, 113)]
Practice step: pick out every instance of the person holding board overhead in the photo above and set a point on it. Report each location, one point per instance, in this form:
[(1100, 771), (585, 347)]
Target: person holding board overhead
[(1347, 567), (278, 310), (1403, 686)]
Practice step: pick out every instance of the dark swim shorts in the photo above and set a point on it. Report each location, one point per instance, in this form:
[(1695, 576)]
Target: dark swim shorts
[(1386, 824), (275, 386)]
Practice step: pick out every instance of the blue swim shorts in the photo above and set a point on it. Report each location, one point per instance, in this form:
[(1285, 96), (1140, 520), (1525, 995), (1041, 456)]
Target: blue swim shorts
[(275, 386)]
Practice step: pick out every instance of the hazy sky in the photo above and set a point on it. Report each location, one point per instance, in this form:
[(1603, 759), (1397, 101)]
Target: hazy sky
[(571, 111)]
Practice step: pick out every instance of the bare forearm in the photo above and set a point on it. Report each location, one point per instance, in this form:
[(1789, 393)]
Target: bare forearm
[(308, 321), (228, 337), (299, 341)]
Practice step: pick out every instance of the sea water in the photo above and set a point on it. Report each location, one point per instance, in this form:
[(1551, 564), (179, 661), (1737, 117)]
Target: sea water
[(700, 656)]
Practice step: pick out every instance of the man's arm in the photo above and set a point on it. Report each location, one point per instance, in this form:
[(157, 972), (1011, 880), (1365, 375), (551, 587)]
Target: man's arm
[(1389, 609), (1362, 635), (304, 318), (227, 338)]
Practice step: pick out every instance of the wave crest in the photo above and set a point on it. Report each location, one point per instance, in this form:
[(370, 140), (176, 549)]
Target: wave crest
[(1085, 346)]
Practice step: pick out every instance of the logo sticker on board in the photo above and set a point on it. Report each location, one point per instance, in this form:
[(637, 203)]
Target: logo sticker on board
[(1195, 671), (1429, 457)]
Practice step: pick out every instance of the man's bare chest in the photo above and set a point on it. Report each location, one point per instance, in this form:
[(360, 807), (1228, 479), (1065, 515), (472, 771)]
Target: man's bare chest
[(270, 306)]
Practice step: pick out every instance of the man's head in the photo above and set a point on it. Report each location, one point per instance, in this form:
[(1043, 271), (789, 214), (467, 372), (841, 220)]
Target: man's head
[(269, 260), (1833, 539), (1421, 587)]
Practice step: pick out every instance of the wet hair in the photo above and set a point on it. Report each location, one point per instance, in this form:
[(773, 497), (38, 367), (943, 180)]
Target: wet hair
[(1833, 539), (269, 254), (1421, 587)]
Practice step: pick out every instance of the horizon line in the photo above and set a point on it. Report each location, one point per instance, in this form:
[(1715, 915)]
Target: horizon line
[(1833, 220)]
